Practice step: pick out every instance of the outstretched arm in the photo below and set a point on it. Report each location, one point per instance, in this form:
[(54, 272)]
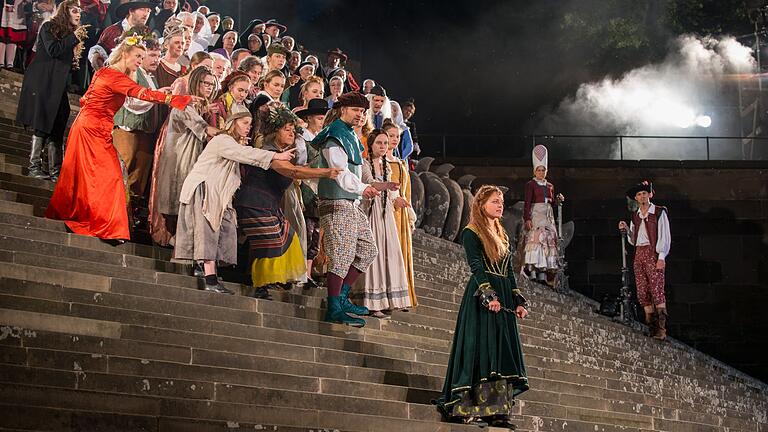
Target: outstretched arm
[(290, 170), (125, 86)]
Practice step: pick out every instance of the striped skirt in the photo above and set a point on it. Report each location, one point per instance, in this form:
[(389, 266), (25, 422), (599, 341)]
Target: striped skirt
[(266, 231)]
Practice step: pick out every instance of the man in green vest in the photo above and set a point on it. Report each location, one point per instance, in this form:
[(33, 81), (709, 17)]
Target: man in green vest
[(137, 124), (347, 238)]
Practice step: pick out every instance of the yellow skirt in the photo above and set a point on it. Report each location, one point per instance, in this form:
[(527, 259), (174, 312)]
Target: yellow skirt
[(288, 267)]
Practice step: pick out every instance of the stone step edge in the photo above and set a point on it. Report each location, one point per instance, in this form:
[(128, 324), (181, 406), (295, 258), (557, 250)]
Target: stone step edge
[(213, 383), (245, 406), (222, 333)]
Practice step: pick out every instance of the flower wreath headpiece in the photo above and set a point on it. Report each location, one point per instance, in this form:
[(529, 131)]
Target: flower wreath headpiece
[(278, 116)]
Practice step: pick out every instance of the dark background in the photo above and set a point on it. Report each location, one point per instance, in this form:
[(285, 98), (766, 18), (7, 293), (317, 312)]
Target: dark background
[(492, 67)]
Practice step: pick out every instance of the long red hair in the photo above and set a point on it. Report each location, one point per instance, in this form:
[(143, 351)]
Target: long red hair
[(492, 234)]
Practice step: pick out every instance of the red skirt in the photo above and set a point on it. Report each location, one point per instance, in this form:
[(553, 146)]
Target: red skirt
[(12, 36), (90, 194)]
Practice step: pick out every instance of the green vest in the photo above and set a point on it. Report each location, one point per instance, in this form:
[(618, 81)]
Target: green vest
[(147, 122), (342, 134)]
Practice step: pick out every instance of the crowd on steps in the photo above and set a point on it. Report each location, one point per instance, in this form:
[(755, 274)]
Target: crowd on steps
[(242, 149)]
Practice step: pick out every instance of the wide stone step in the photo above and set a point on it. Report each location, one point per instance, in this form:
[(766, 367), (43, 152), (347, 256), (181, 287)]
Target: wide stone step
[(233, 404)]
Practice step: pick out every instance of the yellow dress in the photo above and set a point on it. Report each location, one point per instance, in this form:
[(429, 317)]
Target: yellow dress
[(399, 174)]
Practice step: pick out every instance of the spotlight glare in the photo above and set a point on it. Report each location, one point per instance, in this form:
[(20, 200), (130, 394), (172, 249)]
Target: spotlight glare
[(704, 121)]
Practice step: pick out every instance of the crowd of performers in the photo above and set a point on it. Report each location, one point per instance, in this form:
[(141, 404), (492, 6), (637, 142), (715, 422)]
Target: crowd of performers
[(236, 168)]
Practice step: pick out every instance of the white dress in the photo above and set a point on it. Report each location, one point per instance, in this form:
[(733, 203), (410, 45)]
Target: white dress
[(385, 285)]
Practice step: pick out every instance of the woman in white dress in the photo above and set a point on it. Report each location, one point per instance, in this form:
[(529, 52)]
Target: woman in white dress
[(384, 286)]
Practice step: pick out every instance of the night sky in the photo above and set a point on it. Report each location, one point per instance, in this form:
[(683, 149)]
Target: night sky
[(472, 67), (489, 67)]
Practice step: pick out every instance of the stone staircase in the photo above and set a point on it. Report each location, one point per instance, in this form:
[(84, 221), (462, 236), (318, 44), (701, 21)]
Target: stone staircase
[(95, 337)]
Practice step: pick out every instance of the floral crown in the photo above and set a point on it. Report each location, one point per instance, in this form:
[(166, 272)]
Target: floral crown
[(134, 40), (137, 36), (278, 116)]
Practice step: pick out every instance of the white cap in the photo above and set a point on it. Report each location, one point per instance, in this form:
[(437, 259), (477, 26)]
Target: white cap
[(540, 157)]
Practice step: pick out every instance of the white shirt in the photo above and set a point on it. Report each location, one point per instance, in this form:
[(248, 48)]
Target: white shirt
[(337, 158), (663, 239), (138, 106)]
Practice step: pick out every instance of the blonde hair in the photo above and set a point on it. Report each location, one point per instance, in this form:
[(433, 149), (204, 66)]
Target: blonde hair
[(493, 236), (314, 79), (117, 54)]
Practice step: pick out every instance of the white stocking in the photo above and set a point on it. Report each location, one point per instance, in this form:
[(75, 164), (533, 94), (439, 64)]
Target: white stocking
[(10, 54), (2, 54)]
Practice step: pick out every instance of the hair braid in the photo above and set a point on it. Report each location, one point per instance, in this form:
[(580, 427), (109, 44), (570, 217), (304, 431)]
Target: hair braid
[(385, 172)]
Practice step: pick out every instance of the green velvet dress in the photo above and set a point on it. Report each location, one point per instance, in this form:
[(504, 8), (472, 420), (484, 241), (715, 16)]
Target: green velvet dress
[(485, 369)]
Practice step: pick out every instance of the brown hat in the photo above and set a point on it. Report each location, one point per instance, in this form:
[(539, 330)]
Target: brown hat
[(338, 52), (352, 99)]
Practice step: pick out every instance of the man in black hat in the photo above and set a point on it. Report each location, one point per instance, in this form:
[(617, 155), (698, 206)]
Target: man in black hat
[(649, 233), (347, 240), (313, 115), (132, 14), (273, 28), (333, 61)]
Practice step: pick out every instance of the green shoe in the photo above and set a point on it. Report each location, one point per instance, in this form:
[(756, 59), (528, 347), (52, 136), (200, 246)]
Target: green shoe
[(348, 306), (335, 314)]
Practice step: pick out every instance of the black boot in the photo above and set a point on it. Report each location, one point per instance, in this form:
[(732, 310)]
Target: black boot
[(54, 160), (36, 159), (661, 324)]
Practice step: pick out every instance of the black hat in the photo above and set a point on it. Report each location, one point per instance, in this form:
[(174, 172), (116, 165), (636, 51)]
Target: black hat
[(314, 106), (338, 52), (273, 23), (122, 10), (378, 90), (645, 185)]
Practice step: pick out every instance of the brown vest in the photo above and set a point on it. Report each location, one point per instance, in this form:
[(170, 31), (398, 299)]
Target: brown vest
[(651, 225)]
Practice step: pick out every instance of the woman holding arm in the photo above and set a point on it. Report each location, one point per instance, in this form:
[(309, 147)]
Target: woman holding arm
[(275, 255), (90, 195), (207, 230)]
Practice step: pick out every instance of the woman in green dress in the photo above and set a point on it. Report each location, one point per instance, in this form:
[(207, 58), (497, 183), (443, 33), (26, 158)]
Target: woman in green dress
[(486, 369)]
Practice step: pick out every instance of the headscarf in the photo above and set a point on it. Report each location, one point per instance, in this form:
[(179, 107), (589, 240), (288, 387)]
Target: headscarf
[(406, 141)]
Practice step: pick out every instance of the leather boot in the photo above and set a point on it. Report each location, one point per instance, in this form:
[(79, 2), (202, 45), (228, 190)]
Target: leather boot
[(661, 324), (349, 307), (54, 160), (36, 159), (335, 314), (650, 320)]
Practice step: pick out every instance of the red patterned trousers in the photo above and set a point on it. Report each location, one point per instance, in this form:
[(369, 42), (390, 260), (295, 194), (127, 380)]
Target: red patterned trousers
[(649, 280)]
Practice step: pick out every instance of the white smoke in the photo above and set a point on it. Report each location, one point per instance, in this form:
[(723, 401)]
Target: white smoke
[(669, 98)]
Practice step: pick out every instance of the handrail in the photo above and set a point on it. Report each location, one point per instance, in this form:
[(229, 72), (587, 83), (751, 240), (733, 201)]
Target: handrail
[(597, 147)]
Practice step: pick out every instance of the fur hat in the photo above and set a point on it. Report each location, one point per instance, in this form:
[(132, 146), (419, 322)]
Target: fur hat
[(352, 99)]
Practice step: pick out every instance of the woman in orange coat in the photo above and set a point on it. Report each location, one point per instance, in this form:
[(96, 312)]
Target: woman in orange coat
[(90, 195)]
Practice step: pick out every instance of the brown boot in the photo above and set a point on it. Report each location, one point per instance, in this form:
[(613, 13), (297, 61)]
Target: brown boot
[(650, 320), (661, 324)]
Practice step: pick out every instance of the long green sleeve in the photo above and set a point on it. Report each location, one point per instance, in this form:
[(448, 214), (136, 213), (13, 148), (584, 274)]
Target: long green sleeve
[(473, 248)]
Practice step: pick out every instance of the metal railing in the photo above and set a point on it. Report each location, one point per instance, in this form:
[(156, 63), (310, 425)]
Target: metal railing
[(597, 147)]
